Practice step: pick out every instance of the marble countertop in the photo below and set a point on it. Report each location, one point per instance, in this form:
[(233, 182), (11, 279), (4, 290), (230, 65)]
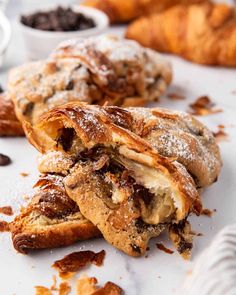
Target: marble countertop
[(158, 273)]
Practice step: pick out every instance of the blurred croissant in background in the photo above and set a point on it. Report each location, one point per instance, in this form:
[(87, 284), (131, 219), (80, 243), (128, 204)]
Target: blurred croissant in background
[(203, 33), (126, 10)]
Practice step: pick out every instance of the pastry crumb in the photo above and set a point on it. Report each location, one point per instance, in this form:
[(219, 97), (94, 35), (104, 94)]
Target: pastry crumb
[(75, 261), (87, 285), (40, 290), (24, 174), (208, 212), (4, 226), (220, 135), (175, 96), (6, 210), (161, 247), (203, 106)]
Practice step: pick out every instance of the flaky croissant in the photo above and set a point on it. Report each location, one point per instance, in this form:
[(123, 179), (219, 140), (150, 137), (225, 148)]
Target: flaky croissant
[(98, 70), (127, 10), (204, 33), (113, 171)]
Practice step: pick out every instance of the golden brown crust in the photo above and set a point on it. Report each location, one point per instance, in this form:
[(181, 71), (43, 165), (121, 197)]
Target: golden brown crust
[(99, 70), (9, 124), (124, 11), (38, 226), (203, 33)]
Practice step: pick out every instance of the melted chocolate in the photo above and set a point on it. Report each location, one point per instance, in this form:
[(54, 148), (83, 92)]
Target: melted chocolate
[(65, 138), (55, 204)]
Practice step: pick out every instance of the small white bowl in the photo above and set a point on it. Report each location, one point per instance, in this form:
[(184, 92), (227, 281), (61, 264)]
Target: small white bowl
[(39, 43), (5, 35)]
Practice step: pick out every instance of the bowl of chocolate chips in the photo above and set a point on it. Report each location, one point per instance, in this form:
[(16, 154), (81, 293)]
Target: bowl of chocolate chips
[(44, 30)]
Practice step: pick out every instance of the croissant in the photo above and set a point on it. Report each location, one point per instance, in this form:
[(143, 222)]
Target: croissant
[(113, 171), (9, 124), (124, 11), (51, 219), (99, 70), (204, 33)]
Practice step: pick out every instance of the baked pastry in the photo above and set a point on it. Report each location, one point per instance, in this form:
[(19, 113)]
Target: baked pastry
[(203, 33), (118, 179), (98, 70), (51, 219), (124, 11), (9, 124)]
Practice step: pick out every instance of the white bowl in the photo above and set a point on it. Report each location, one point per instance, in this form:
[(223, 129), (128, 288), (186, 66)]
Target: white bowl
[(39, 43), (5, 35)]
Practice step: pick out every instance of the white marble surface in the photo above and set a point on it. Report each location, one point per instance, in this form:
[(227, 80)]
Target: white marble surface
[(159, 273)]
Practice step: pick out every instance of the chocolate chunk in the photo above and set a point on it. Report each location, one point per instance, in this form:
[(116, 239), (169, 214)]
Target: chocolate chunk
[(66, 138), (1, 89), (56, 205), (60, 19), (142, 193), (4, 160)]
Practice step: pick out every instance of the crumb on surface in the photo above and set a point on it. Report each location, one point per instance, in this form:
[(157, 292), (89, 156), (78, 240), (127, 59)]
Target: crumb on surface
[(4, 226), (24, 174), (40, 290), (175, 96), (161, 247), (203, 106), (87, 285), (220, 135), (6, 210), (75, 261), (208, 212)]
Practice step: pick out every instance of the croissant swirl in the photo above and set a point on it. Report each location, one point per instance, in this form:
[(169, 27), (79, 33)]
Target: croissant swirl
[(98, 70), (123, 10), (113, 170), (203, 33)]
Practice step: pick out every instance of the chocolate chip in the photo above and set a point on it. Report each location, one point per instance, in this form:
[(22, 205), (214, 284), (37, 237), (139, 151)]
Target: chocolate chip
[(4, 160), (1, 89), (66, 137), (59, 19)]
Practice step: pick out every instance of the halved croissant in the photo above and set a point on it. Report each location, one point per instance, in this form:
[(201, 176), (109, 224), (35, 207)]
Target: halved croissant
[(120, 182), (204, 33), (124, 11)]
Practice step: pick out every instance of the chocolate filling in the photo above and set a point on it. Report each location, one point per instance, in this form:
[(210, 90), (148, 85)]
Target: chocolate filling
[(65, 138), (55, 204)]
